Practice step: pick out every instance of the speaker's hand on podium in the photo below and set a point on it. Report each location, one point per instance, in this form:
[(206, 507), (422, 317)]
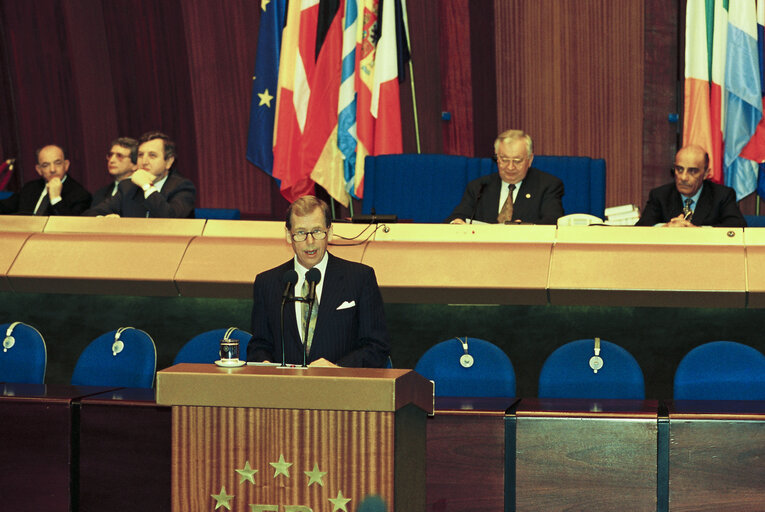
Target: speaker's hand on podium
[(323, 362)]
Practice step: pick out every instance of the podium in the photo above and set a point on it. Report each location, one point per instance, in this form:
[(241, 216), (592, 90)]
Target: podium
[(263, 438)]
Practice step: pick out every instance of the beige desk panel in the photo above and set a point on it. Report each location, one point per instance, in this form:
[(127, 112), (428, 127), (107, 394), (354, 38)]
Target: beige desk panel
[(10, 246), (755, 266), (638, 235), (464, 233), (649, 274), (271, 229), (755, 271), (22, 223), (98, 264), (128, 226), (226, 267), (440, 272)]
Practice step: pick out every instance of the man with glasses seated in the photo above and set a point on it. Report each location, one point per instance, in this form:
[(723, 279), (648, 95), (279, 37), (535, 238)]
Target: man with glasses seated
[(155, 189), (121, 163), (516, 193), (55, 193), (347, 324), (692, 200)]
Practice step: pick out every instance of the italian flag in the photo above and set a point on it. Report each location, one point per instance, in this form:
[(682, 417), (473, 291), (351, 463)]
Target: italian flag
[(723, 94)]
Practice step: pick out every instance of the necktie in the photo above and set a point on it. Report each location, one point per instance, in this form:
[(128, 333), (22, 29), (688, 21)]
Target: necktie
[(314, 314), (506, 213), (687, 212), (44, 204)]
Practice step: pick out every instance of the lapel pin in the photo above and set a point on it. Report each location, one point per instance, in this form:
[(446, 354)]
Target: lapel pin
[(528, 196)]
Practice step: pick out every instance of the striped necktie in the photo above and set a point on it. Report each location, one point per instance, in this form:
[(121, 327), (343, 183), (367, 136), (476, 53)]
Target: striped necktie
[(314, 314)]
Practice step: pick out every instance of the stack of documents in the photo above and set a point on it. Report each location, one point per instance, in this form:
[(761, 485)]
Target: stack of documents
[(624, 215)]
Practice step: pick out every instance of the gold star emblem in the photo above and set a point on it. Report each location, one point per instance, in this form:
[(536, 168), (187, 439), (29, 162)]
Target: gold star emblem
[(339, 502), (264, 3), (265, 98), (247, 473), (315, 476), (222, 499), (281, 467)]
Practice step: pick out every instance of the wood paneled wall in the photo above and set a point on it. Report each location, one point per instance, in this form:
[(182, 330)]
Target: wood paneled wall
[(570, 73)]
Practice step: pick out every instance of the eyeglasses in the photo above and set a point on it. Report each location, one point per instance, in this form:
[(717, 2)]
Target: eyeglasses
[(501, 160), (317, 234), (119, 156), (692, 171)]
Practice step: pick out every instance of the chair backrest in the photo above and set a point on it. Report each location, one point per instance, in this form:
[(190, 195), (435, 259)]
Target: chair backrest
[(567, 372), (24, 357), (217, 213), (426, 188), (489, 374), (755, 221), (124, 357), (205, 347), (584, 181), (721, 370)]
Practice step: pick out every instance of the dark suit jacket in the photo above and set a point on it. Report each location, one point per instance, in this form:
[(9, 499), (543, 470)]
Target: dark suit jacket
[(175, 200), (354, 336), (74, 199), (716, 207), (102, 194), (539, 199)]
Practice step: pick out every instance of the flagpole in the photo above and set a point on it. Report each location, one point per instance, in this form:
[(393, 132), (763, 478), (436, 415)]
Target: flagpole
[(411, 77)]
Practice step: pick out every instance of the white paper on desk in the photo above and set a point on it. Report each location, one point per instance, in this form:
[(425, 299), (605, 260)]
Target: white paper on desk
[(475, 222), (254, 363)]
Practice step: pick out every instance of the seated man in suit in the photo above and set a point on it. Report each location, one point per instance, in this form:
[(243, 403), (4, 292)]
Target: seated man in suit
[(692, 200), (121, 163), (55, 193), (154, 190), (517, 193), (348, 327)]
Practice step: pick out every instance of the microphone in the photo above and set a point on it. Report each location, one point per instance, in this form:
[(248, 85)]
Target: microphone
[(288, 279), (312, 277), (477, 198)]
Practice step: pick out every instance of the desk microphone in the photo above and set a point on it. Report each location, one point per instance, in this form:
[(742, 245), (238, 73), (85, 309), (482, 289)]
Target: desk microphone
[(288, 280), (312, 277), (477, 198)]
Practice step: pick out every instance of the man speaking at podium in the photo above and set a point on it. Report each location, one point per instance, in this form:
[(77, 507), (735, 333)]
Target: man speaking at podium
[(347, 321)]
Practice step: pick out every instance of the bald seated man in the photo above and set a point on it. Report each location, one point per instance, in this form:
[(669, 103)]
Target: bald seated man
[(692, 200), (54, 193)]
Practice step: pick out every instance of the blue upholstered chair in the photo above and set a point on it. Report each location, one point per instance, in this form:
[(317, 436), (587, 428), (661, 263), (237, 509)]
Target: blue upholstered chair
[(426, 188), (721, 370), (569, 372), (217, 213), (468, 367), (125, 357), (205, 347), (5, 194), (755, 221), (24, 357)]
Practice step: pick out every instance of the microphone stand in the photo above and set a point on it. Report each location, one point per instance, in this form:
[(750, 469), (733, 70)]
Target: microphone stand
[(478, 198), (289, 279)]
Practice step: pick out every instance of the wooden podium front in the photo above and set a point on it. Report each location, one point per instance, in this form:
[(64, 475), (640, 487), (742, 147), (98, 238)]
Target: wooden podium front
[(260, 438)]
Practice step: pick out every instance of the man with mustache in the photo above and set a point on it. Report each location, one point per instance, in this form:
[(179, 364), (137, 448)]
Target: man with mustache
[(692, 200)]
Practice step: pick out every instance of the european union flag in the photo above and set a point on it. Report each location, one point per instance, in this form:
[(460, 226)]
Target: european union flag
[(264, 83)]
